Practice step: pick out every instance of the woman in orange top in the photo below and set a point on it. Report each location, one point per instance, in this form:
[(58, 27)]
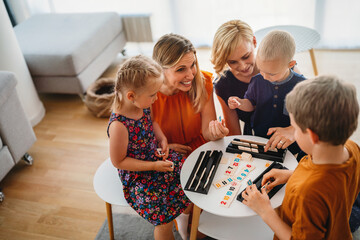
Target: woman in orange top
[(185, 107)]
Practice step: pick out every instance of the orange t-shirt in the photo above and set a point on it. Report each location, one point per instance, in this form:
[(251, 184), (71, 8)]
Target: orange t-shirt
[(177, 118), (319, 198)]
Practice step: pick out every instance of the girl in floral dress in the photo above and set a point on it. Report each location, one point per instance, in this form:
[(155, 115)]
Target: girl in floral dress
[(151, 182)]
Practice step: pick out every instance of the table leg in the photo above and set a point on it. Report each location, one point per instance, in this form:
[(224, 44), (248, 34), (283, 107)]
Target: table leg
[(110, 220), (195, 222), (313, 61)]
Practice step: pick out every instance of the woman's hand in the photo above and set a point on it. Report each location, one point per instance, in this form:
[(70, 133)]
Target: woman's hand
[(281, 137), (257, 201), (217, 129), (182, 149), (234, 102), (276, 177), (164, 166)]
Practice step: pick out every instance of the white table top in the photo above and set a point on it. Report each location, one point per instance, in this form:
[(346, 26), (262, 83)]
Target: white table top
[(305, 38), (211, 202)]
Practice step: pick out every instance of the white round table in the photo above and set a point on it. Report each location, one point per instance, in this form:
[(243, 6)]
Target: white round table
[(210, 202)]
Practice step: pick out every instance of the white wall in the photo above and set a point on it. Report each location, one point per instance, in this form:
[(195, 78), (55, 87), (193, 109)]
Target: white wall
[(12, 60)]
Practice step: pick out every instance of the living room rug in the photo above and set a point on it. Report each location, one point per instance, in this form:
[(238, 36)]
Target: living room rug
[(129, 227)]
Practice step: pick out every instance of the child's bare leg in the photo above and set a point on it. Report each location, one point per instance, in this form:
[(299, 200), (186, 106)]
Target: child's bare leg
[(164, 231)]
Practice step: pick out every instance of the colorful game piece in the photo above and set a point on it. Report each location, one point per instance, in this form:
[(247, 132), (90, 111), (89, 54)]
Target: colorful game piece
[(249, 182), (159, 151), (239, 177), (244, 148), (238, 103), (246, 157), (255, 150), (265, 185), (230, 194), (224, 160), (233, 166)]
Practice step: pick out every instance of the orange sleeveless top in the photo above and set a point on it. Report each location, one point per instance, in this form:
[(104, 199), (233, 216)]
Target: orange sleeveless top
[(177, 118)]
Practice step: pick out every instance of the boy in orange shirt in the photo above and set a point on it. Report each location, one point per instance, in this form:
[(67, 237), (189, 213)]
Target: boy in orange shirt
[(322, 189)]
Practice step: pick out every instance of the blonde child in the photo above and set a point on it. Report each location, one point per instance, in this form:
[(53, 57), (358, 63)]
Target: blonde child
[(151, 182), (322, 189), (266, 92)]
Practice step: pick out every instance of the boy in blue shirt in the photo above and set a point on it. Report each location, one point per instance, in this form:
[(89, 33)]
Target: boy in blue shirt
[(267, 91)]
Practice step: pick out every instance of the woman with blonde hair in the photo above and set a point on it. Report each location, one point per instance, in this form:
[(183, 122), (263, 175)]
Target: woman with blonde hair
[(185, 108), (233, 57)]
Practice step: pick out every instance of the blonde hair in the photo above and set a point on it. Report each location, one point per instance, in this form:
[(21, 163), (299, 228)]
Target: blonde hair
[(135, 74), (277, 44), (168, 51), (327, 106), (228, 36)]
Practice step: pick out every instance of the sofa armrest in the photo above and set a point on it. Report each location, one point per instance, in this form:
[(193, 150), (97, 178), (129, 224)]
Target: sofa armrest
[(15, 129)]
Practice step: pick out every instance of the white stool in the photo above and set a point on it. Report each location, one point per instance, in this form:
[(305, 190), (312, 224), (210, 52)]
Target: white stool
[(108, 187), (305, 39)]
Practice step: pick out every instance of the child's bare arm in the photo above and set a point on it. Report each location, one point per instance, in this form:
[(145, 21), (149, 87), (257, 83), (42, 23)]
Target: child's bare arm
[(242, 104), (118, 149), (162, 140)]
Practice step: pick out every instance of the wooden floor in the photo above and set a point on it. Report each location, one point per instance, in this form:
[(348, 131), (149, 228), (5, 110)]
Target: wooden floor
[(54, 198)]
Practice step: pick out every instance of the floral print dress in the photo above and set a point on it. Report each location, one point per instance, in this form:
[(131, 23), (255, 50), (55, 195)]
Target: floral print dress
[(156, 196)]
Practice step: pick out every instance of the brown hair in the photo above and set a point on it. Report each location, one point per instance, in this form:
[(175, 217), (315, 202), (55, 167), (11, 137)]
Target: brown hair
[(327, 106), (168, 51), (134, 74), (228, 36)]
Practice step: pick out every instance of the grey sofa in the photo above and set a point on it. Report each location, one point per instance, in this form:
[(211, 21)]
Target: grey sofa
[(16, 133), (65, 53)]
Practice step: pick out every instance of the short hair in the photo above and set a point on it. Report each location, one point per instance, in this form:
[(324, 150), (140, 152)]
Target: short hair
[(135, 74), (326, 105), (228, 36), (168, 51), (277, 44)]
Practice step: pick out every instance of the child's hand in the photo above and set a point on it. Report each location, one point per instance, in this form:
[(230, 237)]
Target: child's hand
[(164, 150), (164, 166), (257, 201), (276, 177), (234, 102), (217, 129)]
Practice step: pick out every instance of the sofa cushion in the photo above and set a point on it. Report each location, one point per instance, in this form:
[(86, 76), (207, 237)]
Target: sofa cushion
[(7, 84), (65, 44)]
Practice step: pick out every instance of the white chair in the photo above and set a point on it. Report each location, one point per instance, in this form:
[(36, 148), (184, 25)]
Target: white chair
[(108, 187), (305, 39)]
